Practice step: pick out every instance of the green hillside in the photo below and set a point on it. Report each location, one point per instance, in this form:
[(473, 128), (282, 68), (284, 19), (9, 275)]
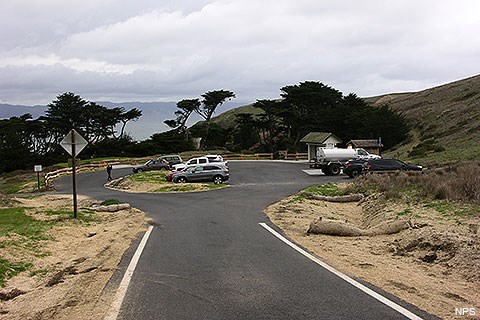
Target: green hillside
[(445, 121), (227, 119)]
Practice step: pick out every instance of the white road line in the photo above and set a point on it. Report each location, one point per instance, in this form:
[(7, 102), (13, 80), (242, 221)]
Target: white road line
[(112, 313), (358, 285)]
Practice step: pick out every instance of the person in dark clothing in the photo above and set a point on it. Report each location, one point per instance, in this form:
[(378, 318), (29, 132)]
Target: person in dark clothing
[(109, 172)]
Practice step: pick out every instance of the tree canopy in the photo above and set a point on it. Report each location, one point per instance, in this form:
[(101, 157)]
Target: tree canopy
[(37, 140)]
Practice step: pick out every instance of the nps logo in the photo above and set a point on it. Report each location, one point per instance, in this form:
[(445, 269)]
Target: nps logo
[(465, 311)]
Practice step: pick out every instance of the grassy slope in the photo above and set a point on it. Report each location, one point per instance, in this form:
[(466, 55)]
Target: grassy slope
[(449, 115)]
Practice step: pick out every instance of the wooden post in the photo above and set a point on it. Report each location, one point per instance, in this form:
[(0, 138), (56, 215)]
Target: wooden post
[(74, 178)]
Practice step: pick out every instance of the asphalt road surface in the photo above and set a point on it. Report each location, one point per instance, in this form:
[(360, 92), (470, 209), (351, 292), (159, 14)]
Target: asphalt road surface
[(208, 257)]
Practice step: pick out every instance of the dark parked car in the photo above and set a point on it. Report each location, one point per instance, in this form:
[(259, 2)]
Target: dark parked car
[(154, 164), (171, 159), (353, 168), (216, 173), (388, 165)]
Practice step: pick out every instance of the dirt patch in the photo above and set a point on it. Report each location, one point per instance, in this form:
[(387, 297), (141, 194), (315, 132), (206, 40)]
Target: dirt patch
[(69, 282), (435, 267)]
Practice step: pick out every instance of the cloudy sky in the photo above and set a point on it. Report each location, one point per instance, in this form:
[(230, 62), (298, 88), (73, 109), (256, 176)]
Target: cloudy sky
[(168, 50)]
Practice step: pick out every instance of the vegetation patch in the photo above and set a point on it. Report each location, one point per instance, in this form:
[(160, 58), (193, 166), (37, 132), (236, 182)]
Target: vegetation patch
[(149, 177), (109, 202), (327, 189), (83, 215), (425, 147), (24, 232), (19, 230), (14, 221), (9, 269), (19, 182)]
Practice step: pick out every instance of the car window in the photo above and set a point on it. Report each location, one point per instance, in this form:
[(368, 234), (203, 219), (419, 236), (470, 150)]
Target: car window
[(199, 169), (202, 160), (361, 152)]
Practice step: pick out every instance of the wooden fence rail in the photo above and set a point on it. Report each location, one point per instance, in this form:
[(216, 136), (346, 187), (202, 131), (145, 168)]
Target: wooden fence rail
[(296, 156), (248, 156)]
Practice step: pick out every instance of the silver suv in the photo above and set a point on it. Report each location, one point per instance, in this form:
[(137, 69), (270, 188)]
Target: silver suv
[(209, 172)]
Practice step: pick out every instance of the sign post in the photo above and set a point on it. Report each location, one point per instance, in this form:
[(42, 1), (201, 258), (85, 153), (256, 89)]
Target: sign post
[(73, 143), (38, 169)]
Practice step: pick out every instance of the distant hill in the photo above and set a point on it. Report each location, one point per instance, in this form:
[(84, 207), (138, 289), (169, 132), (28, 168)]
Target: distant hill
[(151, 121), (445, 121), (8, 110)]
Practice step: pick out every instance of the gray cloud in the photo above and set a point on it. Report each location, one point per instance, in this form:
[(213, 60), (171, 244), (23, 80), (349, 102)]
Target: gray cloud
[(142, 50)]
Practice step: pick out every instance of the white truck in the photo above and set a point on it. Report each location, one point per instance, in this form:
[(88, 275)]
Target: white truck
[(331, 160)]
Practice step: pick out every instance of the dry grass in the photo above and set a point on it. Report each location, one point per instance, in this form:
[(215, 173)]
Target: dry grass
[(454, 183)]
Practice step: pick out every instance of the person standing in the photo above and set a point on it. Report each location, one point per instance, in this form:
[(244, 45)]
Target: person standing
[(109, 172)]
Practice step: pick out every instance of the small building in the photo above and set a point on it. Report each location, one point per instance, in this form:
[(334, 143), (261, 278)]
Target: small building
[(372, 146), (319, 139)]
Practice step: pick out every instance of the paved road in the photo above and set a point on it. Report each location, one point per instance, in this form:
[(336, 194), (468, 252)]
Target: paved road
[(208, 257)]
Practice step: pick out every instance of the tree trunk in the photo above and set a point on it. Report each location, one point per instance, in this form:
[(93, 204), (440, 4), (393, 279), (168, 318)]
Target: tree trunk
[(203, 142)]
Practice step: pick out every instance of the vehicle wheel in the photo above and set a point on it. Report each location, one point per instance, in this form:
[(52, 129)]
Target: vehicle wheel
[(218, 180), (163, 168), (181, 180), (354, 173), (334, 170), (139, 170)]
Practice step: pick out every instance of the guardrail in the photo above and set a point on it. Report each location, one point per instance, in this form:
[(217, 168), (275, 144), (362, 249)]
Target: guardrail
[(50, 176)]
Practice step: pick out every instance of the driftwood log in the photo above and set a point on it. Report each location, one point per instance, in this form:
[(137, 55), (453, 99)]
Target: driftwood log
[(340, 228), (345, 198), (112, 207)]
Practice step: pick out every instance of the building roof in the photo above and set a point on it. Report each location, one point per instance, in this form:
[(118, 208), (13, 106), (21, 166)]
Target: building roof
[(371, 143), (318, 137)]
